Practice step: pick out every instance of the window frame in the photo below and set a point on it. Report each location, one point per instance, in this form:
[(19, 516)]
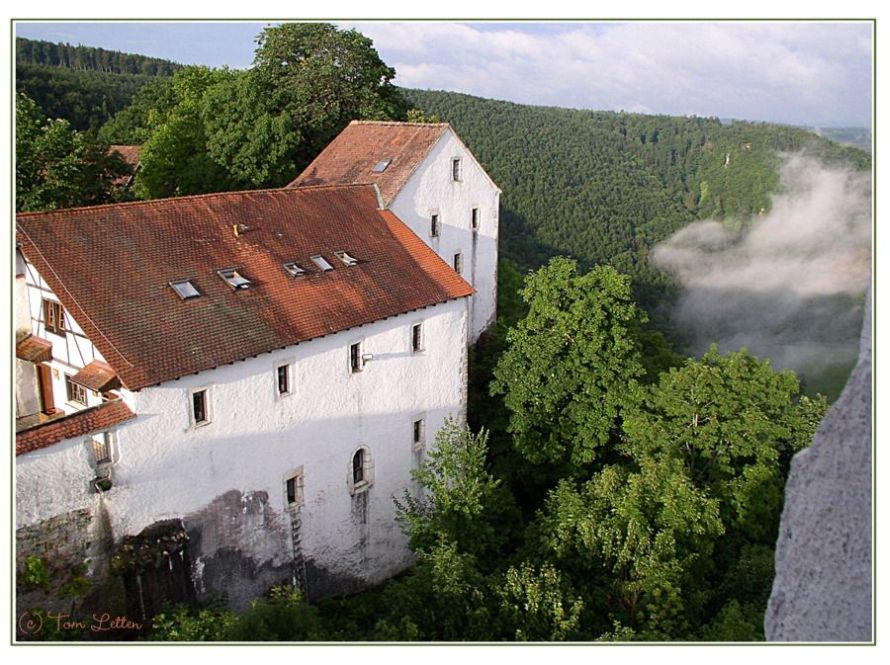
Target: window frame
[(176, 283), (297, 477), (367, 470), (106, 443), (288, 380), (55, 308), (475, 219), (457, 263), (418, 432), (435, 225), (231, 276), (456, 169), (417, 337), (74, 390), (208, 413), (356, 363)]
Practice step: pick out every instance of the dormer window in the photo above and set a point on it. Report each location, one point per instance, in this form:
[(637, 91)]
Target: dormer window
[(234, 279), (294, 270), (322, 264), (380, 166), (185, 289), (347, 260)]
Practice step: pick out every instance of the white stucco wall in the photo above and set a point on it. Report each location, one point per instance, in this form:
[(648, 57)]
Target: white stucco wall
[(431, 190), (169, 468)]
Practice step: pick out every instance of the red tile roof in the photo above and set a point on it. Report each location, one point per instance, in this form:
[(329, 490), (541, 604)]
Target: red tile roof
[(97, 376), (130, 154), (111, 266), (34, 349), (350, 158), (94, 419)]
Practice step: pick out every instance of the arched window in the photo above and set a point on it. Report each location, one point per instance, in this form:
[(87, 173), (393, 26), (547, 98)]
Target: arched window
[(361, 471), (358, 466)]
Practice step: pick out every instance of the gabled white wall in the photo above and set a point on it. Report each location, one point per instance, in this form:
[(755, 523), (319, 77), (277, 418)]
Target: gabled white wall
[(431, 189)]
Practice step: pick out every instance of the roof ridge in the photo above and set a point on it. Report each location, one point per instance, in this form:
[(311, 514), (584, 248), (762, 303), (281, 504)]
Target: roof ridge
[(189, 197), (400, 122)]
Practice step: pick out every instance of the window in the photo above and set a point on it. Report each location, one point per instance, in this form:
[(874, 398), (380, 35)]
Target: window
[(293, 489), (101, 444), (76, 393), (355, 357), (418, 434), (474, 223), (455, 168), (358, 466), (200, 412), (282, 379), (347, 260), (294, 270), (361, 471), (458, 263), (320, 261), (54, 317), (417, 337), (234, 279), (380, 166), (434, 226), (185, 289)]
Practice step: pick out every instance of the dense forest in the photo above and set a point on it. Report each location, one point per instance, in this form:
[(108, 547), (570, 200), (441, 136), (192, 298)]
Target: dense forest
[(604, 487), (85, 86)]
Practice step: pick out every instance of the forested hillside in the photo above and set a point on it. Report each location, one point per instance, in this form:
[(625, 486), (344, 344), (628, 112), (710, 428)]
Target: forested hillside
[(85, 86), (604, 187)]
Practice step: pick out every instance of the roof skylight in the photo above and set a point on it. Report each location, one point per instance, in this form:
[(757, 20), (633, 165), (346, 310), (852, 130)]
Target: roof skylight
[(234, 278), (320, 261), (294, 270), (185, 289), (380, 166), (348, 260)]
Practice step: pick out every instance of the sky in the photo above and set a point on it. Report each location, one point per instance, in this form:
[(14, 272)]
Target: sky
[(800, 73)]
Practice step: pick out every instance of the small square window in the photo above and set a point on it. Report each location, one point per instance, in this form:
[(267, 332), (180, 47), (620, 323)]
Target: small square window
[(418, 434), (76, 392), (347, 260), (293, 490), (294, 270), (355, 357), (458, 263), (320, 261), (474, 219), (200, 413), (434, 226), (282, 378), (380, 166), (54, 317), (234, 279), (455, 169), (185, 289), (417, 337)]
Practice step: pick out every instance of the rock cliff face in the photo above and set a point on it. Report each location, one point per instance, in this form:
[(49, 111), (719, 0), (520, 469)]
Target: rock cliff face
[(823, 586)]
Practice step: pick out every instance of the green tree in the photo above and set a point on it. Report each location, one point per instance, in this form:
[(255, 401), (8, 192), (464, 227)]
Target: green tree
[(456, 494), (175, 159), (535, 605), (57, 167), (640, 540), (572, 365)]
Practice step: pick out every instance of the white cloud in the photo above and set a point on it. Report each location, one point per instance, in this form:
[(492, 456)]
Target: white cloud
[(793, 72)]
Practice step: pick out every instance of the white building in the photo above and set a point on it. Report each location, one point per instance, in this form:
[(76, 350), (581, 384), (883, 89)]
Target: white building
[(429, 178), (219, 393)]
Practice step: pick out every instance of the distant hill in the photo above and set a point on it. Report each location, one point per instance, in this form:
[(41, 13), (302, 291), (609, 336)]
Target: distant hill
[(858, 137), (604, 187), (83, 85)]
